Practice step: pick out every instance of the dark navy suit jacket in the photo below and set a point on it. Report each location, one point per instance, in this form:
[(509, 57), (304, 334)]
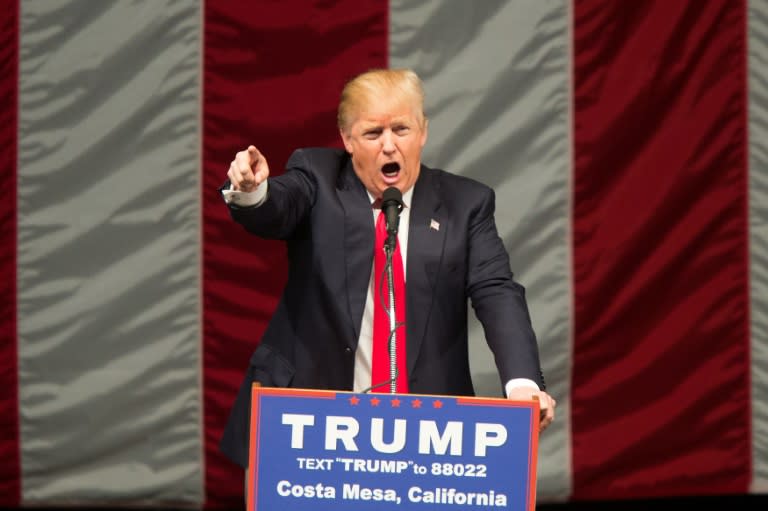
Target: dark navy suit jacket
[(321, 208)]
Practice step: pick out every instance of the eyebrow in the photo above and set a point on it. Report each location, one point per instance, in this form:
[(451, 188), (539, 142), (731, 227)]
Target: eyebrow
[(394, 122)]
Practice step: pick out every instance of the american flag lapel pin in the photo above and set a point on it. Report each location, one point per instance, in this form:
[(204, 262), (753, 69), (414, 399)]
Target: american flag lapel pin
[(434, 224)]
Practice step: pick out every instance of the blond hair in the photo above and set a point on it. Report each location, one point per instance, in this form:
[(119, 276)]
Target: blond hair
[(377, 85)]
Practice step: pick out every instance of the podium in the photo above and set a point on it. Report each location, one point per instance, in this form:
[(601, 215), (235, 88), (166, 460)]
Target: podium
[(343, 451)]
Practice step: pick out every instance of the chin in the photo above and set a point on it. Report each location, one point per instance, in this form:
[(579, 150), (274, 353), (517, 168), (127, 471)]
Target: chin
[(396, 185)]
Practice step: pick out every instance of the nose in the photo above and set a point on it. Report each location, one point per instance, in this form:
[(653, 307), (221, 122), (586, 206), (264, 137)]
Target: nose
[(388, 142)]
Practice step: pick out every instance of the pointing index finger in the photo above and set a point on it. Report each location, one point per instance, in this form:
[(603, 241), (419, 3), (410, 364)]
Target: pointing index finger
[(254, 153)]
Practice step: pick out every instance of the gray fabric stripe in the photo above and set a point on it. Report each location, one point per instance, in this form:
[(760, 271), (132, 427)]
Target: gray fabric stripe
[(109, 260), (758, 221), (497, 79)]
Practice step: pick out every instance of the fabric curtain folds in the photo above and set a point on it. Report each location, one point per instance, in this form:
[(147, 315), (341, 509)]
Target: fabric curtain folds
[(626, 143)]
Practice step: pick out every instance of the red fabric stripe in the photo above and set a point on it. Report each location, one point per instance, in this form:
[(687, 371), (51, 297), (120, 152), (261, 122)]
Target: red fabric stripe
[(10, 486), (661, 349), (273, 73)]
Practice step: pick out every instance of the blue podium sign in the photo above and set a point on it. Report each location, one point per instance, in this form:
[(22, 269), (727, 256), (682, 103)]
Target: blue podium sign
[(341, 451)]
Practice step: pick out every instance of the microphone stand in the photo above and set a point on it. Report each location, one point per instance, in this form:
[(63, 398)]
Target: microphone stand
[(389, 249)]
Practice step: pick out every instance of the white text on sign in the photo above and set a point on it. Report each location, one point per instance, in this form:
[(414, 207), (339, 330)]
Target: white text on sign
[(342, 432)]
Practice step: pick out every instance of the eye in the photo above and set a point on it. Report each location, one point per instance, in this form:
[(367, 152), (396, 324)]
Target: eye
[(402, 129), (372, 134)]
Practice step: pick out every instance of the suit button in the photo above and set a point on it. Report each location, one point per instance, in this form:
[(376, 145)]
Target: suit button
[(348, 350)]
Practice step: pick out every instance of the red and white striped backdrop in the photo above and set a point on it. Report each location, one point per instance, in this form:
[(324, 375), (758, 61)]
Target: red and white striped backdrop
[(627, 143)]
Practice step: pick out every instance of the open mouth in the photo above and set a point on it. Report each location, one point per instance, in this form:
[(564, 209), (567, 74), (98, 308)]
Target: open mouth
[(390, 169)]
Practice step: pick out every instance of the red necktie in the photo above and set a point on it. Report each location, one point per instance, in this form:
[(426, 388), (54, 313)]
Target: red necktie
[(380, 371)]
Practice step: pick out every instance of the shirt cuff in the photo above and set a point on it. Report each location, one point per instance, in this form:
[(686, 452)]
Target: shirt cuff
[(245, 199), (515, 383)]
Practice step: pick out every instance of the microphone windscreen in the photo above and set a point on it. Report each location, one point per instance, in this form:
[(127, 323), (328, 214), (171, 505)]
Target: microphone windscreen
[(392, 194)]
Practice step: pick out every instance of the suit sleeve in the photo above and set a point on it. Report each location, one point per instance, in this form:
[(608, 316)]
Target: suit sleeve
[(289, 200), (499, 302)]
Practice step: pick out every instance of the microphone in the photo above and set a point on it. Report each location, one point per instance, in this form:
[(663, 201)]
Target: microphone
[(391, 206)]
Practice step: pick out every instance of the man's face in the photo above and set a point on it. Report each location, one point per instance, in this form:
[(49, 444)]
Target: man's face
[(385, 142)]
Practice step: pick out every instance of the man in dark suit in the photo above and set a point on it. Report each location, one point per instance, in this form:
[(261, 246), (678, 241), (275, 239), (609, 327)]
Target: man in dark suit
[(324, 207)]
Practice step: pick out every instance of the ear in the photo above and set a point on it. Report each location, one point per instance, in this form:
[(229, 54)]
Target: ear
[(424, 132), (346, 137)]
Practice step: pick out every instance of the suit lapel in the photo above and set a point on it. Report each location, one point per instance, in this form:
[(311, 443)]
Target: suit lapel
[(426, 237), (359, 237)]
